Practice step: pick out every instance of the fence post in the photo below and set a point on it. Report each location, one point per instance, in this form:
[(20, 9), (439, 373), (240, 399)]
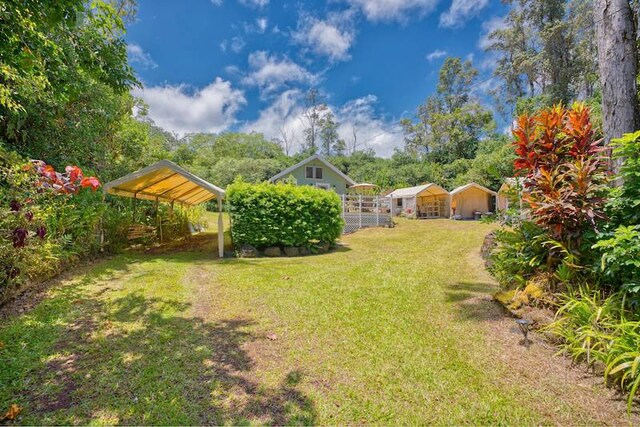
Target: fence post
[(360, 211), (344, 208)]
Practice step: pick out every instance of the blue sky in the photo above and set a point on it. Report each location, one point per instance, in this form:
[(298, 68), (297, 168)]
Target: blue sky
[(217, 65)]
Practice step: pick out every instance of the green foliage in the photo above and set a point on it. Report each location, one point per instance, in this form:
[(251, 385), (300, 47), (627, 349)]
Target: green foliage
[(624, 204), (595, 329), (520, 254), (586, 321), (45, 228), (620, 259), (450, 124), (623, 359), (283, 215)]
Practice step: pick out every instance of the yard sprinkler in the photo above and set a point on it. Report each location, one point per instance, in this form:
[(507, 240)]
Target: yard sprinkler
[(524, 325)]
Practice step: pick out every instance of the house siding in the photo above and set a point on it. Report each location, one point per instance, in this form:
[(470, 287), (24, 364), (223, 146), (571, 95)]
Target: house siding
[(337, 183)]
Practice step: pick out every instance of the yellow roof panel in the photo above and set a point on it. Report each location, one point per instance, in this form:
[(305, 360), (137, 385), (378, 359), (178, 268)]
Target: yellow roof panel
[(164, 181)]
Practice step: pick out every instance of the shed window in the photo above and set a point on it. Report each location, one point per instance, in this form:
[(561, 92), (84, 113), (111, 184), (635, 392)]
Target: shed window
[(399, 203), (313, 172)]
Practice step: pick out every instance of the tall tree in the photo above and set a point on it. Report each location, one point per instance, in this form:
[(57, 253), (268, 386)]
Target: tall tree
[(328, 133), (618, 67), (451, 123), (315, 109), (545, 50)]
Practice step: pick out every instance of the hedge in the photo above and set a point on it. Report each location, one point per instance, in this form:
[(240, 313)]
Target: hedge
[(266, 214)]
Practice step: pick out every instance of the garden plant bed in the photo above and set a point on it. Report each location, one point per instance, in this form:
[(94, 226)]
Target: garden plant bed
[(382, 331)]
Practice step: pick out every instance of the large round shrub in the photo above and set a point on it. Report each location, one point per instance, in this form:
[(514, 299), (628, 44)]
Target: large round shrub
[(283, 215)]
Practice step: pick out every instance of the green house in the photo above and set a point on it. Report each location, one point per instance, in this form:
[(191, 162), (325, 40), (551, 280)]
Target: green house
[(316, 171)]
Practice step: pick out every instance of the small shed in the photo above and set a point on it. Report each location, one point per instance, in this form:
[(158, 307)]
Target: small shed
[(471, 200), (422, 201), (165, 181)]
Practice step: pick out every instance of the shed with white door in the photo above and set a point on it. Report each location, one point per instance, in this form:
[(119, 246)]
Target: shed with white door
[(422, 201)]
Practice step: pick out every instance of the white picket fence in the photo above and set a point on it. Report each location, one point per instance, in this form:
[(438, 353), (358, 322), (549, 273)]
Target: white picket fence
[(365, 211)]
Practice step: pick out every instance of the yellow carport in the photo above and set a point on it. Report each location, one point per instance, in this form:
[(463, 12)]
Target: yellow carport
[(165, 181)]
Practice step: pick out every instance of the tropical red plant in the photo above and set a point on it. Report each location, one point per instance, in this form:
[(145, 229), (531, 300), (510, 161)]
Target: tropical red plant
[(565, 173), (69, 182)]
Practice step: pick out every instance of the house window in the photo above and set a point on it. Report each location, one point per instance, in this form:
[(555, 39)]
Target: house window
[(399, 203), (313, 172)]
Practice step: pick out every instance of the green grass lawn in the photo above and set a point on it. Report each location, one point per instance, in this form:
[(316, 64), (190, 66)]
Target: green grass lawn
[(385, 329)]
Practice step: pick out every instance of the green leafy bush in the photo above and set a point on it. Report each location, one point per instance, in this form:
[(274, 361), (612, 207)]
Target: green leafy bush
[(49, 220), (283, 215), (596, 329), (620, 259), (624, 199), (520, 253)]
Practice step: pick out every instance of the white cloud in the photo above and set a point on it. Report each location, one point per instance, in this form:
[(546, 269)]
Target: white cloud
[(270, 72), (393, 10), (332, 37), (461, 11), (436, 54), (137, 55), (236, 44), (262, 24), (372, 131), (216, 2), (255, 3), (488, 27), (284, 113), (181, 110)]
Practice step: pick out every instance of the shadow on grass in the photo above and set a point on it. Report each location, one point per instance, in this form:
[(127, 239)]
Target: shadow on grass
[(473, 301), (83, 356)]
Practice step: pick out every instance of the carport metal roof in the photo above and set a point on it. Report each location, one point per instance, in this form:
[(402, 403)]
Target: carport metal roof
[(167, 182)]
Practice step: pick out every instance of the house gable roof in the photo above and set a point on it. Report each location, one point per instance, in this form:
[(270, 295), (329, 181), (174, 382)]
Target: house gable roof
[(308, 160), (472, 185), (414, 191)]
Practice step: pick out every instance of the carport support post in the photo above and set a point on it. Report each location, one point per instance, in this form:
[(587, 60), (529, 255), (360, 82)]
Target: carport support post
[(220, 229)]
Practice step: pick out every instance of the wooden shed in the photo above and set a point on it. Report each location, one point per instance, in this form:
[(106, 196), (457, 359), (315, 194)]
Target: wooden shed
[(422, 201), (472, 200)]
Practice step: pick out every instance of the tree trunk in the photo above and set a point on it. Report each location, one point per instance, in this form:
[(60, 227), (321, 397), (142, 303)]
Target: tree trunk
[(618, 68)]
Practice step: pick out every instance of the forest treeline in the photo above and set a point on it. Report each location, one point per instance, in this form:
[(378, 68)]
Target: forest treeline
[(65, 97)]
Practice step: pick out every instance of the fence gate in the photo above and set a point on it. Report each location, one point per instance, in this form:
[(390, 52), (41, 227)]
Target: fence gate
[(365, 211)]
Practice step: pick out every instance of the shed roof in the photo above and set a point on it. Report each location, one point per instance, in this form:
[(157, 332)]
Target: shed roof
[(307, 160), (164, 181), (419, 189), (472, 185), (517, 182)]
